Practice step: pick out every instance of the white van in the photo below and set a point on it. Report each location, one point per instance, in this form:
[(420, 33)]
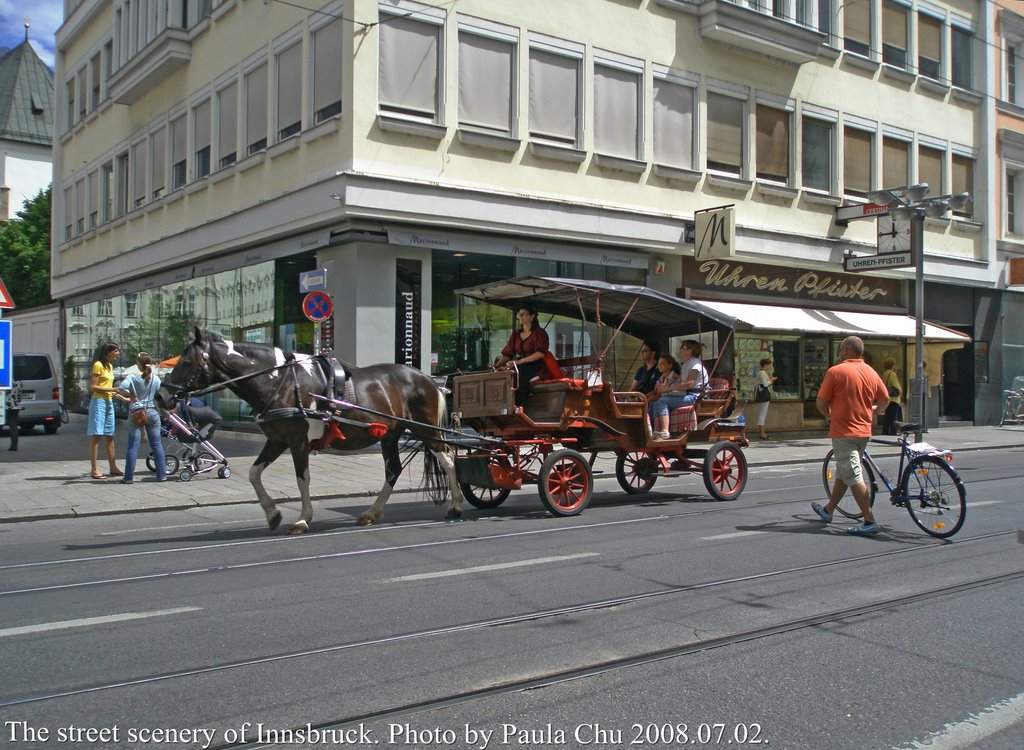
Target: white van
[(40, 392)]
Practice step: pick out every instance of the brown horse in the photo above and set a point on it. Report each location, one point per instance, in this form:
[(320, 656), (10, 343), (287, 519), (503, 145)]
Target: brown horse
[(384, 402)]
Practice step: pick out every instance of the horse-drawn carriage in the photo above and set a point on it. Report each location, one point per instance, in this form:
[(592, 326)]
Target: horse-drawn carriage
[(554, 439)]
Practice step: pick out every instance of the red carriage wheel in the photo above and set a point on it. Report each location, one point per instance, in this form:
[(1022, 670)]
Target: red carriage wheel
[(483, 498), (725, 471), (636, 472), (565, 483)]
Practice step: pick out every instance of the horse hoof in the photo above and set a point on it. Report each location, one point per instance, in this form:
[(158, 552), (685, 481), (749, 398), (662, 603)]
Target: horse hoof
[(274, 521), (453, 515), (299, 527), (364, 520)]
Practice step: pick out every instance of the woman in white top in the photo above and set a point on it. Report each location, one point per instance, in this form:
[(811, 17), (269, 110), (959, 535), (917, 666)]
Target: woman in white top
[(765, 379), (141, 390), (695, 376)]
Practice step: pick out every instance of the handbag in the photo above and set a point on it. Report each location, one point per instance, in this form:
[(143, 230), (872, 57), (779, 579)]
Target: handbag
[(140, 418), (763, 394), (894, 392)]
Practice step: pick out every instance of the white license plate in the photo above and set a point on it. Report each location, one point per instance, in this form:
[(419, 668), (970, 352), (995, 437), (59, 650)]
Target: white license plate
[(28, 395)]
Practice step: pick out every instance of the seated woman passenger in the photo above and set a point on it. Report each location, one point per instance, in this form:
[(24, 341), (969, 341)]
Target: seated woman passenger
[(526, 348), (665, 396), (695, 376)]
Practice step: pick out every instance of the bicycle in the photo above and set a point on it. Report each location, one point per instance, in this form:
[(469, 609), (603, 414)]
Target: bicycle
[(928, 486), (1013, 411)]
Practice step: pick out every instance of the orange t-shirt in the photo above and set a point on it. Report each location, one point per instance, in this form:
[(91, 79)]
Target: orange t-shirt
[(851, 387)]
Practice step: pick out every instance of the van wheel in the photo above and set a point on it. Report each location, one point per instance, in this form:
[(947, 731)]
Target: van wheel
[(51, 427)]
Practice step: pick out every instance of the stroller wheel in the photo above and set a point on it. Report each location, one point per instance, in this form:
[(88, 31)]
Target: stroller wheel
[(170, 460), (185, 475), (224, 472)]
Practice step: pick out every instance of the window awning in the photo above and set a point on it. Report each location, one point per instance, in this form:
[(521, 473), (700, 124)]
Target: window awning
[(830, 322)]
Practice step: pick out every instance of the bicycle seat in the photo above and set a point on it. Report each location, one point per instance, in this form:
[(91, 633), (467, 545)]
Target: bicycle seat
[(906, 427)]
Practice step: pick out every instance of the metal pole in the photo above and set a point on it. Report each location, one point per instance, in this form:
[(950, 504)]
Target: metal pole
[(917, 242)]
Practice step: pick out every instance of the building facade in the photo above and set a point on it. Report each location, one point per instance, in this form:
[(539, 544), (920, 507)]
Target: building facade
[(207, 153)]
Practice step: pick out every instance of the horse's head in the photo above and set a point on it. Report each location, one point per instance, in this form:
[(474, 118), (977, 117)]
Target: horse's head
[(191, 373)]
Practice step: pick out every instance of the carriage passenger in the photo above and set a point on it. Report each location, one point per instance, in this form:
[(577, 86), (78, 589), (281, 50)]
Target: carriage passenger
[(664, 396), (525, 349), (693, 380), (646, 377)]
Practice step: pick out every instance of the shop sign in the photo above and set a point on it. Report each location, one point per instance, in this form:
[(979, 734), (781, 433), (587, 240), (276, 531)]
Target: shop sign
[(715, 233), (763, 283), (408, 295)]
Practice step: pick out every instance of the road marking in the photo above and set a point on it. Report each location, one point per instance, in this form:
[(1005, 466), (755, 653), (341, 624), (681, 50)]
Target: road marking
[(87, 621), (976, 727), (121, 532), (972, 504), (730, 535), (486, 568)]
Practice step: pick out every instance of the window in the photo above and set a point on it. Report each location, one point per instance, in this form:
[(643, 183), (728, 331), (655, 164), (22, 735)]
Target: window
[(962, 181), (131, 305), (202, 139), (158, 162), (94, 76), (139, 192), (256, 110), (857, 27), (816, 157), (79, 207), (410, 60), (108, 61), (327, 42), (929, 168), (772, 144), (673, 123), (179, 152), (105, 308), (929, 46), (94, 199), (725, 133), (962, 63), (227, 126), (895, 162), (617, 104), (1012, 65), (121, 178), (107, 190), (1013, 197), (895, 27), (289, 92), (857, 171), (825, 14), (486, 75), (70, 88), (83, 92), (555, 96), (69, 212)]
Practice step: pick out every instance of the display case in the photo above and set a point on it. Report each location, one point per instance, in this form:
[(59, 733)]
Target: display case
[(784, 351), (815, 364)]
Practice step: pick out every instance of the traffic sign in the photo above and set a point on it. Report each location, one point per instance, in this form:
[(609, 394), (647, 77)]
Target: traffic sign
[(313, 281), (6, 359), (6, 301), (317, 306), (877, 262)]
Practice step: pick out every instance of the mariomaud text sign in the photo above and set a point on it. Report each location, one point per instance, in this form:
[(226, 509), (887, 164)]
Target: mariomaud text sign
[(6, 360)]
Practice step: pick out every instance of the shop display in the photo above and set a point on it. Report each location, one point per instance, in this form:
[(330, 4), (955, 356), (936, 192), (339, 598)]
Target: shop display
[(784, 355), (815, 366)]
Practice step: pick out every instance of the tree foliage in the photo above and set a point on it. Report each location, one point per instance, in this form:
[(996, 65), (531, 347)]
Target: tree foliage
[(25, 253)]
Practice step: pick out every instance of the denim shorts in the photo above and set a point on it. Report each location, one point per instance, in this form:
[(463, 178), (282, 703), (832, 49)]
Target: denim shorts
[(848, 452), (101, 417)]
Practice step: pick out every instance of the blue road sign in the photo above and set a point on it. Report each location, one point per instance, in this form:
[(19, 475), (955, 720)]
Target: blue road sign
[(313, 281), (6, 360), (317, 306)]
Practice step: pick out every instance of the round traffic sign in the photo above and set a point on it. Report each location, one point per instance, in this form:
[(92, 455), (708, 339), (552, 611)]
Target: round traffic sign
[(317, 306)]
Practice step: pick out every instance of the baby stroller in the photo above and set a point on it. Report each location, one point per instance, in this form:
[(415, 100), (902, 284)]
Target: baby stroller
[(194, 453)]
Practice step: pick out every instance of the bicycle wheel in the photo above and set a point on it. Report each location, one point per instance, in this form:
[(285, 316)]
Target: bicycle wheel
[(847, 506), (935, 496)]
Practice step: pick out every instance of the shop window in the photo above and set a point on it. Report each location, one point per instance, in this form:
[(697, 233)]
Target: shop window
[(783, 351)]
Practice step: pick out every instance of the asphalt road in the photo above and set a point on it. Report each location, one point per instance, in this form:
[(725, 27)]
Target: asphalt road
[(664, 621)]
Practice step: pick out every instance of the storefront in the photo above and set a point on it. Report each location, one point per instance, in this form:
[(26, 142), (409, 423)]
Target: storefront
[(798, 319)]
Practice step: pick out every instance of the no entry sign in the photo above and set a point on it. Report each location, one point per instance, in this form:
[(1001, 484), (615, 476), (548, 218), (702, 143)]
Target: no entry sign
[(317, 306)]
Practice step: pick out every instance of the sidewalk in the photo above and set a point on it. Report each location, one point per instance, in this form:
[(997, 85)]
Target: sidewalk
[(48, 477)]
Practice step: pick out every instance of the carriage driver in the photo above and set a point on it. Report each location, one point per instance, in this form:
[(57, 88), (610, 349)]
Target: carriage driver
[(526, 348)]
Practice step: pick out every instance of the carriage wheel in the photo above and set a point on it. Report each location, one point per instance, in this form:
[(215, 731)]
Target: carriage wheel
[(725, 471), (483, 498), (565, 483), (636, 472)]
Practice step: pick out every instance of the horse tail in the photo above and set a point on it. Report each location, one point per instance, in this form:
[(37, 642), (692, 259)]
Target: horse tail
[(435, 478)]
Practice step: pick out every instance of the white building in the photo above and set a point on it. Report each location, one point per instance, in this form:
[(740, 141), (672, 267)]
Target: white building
[(411, 148)]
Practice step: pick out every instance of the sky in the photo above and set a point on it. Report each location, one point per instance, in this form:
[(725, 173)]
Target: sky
[(45, 17)]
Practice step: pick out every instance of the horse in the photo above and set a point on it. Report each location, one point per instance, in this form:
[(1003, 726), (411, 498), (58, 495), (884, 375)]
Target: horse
[(290, 396)]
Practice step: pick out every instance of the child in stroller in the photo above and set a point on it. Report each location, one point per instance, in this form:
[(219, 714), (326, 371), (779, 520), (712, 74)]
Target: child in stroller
[(195, 453)]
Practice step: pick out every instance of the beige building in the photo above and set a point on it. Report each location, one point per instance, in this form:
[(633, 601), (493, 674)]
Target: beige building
[(411, 149)]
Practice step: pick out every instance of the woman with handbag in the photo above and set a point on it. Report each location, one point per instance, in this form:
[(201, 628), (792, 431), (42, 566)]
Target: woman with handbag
[(101, 409), (763, 394), (142, 414), (894, 411)]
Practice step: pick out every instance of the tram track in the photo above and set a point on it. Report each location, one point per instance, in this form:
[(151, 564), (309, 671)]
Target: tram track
[(549, 613)]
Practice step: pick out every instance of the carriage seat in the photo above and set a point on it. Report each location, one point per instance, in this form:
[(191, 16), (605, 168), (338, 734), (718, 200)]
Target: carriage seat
[(710, 404), (557, 375)]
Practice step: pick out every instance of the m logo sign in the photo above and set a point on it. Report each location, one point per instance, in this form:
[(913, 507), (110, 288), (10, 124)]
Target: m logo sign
[(714, 233)]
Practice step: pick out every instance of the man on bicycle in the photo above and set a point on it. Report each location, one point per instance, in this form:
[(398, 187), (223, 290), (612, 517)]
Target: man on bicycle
[(848, 396)]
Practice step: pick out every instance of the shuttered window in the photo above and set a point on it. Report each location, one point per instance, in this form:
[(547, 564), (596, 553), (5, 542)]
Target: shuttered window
[(772, 144), (289, 92), (929, 46), (554, 96), (158, 162), (179, 152), (227, 126), (895, 27), (202, 139), (856, 161), (485, 82), (929, 168), (617, 111), (725, 133), (673, 124), (327, 42), (256, 110), (895, 162), (816, 158), (962, 181), (409, 65), (857, 26)]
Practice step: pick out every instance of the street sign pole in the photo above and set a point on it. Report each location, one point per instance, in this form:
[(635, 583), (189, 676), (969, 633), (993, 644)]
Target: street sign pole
[(917, 248), (316, 338)]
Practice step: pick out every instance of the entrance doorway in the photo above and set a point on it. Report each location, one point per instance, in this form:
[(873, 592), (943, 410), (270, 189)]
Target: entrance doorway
[(958, 384)]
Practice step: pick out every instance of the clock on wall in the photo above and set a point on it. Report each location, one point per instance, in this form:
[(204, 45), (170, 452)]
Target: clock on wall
[(893, 234)]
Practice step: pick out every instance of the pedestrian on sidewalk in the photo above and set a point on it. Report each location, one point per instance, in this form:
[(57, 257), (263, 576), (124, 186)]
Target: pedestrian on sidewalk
[(848, 397), (13, 410), (101, 409), (765, 380), (140, 389), (894, 411)]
